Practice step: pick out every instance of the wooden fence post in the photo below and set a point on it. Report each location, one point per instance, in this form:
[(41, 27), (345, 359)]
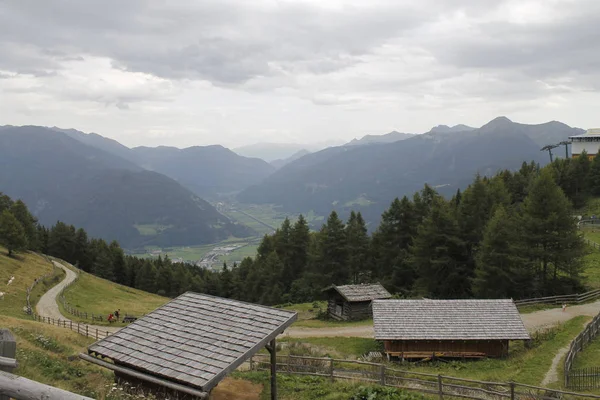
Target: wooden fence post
[(86, 331), (331, 369), (251, 363), (382, 374), (512, 391), (440, 387), (96, 333)]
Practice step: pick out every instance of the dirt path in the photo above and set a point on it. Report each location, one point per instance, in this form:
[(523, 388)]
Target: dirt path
[(48, 307)]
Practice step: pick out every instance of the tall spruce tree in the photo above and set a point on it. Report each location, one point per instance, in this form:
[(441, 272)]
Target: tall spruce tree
[(333, 257), (358, 244), (12, 234), (391, 242), (439, 255), (299, 242), (550, 233), (593, 182), (501, 270)]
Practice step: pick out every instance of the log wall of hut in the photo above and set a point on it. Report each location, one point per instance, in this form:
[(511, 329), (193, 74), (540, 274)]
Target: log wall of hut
[(446, 348), (339, 308)]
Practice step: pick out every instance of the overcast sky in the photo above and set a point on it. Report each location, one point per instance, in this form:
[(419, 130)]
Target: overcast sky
[(197, 72)]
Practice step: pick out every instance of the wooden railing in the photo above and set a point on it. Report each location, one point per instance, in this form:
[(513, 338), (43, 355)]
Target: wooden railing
[(577, 378), (386, 375), (569, 299), (82, 329)]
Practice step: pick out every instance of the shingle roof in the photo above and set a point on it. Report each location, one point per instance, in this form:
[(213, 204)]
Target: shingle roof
[(195, 339), (362, 292), (447, 320)]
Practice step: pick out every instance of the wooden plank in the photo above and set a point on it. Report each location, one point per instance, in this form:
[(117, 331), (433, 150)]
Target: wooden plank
[(21, 388)]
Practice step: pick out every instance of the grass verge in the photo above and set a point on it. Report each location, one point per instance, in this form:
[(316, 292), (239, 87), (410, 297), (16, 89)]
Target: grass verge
[(292, 387), (101, 297), (25, 267)]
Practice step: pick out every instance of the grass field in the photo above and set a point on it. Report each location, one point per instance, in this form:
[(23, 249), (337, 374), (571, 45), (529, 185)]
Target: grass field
[(98, 296), (291, 387), (25, 267), (241, 253)]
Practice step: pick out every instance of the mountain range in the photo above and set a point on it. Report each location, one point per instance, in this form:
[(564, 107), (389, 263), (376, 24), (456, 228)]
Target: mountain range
[(62, 178), (156, 196), (368, 178)]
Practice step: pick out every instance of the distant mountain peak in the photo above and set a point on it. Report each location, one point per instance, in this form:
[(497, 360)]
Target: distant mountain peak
[(448, 129)]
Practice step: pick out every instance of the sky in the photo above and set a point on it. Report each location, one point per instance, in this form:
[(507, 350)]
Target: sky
[(235, 72)]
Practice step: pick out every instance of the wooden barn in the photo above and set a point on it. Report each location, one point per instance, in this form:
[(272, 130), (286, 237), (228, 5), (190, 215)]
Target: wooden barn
[(447, 328), (353, 302), (186, 347)]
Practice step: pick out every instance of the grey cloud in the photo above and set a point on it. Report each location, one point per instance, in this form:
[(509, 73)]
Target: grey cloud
[(224, 42)]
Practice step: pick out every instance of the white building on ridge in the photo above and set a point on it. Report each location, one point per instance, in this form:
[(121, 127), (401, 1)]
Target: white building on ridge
[(589, 141)]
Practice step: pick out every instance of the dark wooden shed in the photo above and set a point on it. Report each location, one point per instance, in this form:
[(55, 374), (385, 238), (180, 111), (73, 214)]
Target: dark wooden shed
[(186, 347), (447, 328), (353, 302)]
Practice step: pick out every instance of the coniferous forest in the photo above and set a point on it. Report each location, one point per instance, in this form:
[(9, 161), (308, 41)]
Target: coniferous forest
[(513, 234)]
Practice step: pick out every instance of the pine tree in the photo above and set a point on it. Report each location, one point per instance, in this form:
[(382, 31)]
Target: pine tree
[(439, 255), (27, 221), (146, 277), (299, 243), (579, 170), (12, 234), (593, 182), (391, 242), (5, 202), (333, 251), (61, 242), (81, 253), (118, 262), (501, 270), (358, 243), (550, 233)]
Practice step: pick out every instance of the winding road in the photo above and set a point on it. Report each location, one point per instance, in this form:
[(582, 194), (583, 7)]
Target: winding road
[(47, 306)]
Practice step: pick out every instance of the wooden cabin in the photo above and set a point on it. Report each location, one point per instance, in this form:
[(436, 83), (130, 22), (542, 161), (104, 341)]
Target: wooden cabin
[(421, 329), (353, 302)]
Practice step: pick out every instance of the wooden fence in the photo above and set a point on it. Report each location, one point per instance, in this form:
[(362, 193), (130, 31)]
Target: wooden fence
[(569, 299), (82, 329), (580, 379), (386, 375)]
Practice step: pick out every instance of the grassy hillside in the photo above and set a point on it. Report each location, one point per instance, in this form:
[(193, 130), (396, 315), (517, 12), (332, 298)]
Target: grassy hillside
[(98, 296), (25, 268)]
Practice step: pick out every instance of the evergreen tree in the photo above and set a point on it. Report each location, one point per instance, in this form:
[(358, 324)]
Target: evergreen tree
[(299, 243), (501, 270), (357, 242), (81, 251), (333, 251), (5, 202), (12, 234), (119, 269), (550, 233), (579, 170), (146, 278), (593, 182), (439, 255), (391, 242), (61, 242), (27, 221)]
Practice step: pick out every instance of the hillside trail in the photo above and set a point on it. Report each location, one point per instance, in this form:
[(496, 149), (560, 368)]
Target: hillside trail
[(47, 306)]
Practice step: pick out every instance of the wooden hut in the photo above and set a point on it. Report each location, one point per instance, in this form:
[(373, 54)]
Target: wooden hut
[(353, 302), (447, 328), (186, 347)]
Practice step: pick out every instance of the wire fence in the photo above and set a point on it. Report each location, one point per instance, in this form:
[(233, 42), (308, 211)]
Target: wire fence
[(588, 378), (386, 375)]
